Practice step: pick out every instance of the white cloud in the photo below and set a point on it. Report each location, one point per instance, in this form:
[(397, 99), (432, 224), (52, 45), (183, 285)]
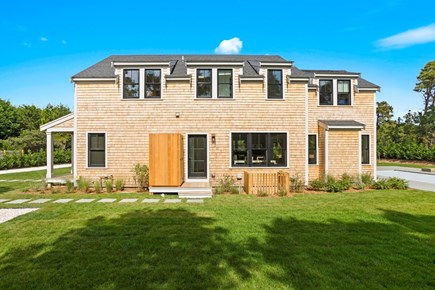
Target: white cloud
[(44, 39), (230, 46), (408, 38), (63, 41)]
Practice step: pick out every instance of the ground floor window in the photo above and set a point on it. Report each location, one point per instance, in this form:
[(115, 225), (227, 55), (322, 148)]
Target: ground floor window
[(96, 150), (365, 149), (259, 149), (312, 149)]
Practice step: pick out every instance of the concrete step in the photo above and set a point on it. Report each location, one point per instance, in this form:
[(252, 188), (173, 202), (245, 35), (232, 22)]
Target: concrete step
[(195, 194)]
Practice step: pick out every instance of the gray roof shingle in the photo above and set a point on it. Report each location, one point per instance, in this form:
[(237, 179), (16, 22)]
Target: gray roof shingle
[(341, 124)]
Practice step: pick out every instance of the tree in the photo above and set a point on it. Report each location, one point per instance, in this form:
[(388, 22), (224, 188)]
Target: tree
[(426, 85), (384, 113), (50, 113), (29, 117), (9, 127)]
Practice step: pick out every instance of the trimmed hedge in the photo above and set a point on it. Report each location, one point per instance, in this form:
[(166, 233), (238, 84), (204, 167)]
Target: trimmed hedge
[(406, 151), (31, 159)]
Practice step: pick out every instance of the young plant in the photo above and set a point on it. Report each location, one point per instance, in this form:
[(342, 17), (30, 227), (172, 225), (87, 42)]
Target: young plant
[(262, 193), (318, 184), (296, 183), (141, 176), (226, 185), (97, 186), (119, 184), (83, 185), (282, 192), (69, 186), (109, 185)]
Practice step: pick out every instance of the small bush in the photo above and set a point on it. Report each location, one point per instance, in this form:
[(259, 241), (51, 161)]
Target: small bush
[(109, 185), (69, 186), (97, 186), (346, 181), (334, 185), (382, 183), (397, 183), (296, 183), (262, 193), (83, 185), (226, 185), (141, 176), (119, 184), (359, 185), (282, 192), (367, 179), (318, 184)]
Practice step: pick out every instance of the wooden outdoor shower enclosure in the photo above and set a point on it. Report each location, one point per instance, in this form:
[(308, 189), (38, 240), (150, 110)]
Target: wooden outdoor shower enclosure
[(166, 159)]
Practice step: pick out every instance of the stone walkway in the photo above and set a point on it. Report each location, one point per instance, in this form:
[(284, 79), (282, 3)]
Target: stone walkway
[(98, 200)]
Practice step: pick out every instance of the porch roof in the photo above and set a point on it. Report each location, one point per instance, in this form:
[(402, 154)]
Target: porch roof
[(341, 124), (62, 124)]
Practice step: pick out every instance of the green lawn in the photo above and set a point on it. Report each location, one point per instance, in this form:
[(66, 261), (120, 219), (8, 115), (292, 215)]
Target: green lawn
[(402, 164), (368, 240)]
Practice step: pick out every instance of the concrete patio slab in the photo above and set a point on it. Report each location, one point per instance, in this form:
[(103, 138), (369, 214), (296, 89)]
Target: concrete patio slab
[(85, 200), (3, 200), (7, 214), (173, 200), (63, 200), (151, 200), (195, 201), (41, 200), (18, 201), (128, 200), (107, 200)]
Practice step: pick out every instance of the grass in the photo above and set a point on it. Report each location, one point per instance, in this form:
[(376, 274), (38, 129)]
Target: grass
[(367, 240), (39, 174), (405, 164)]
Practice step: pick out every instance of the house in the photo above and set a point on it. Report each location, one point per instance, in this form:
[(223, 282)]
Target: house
[(195, 118)]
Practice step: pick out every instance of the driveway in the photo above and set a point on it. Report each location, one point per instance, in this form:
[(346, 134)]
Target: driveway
[(416, 178)]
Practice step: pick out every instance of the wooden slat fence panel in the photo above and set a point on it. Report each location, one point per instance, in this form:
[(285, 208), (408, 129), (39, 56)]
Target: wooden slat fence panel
[(255, 182)]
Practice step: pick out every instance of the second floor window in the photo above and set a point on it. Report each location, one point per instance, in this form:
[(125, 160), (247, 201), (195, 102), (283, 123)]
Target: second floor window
[(343, 92), (131, 84), (225, 83), (325, 92), (153, 84), (203, 83), (274, 84)]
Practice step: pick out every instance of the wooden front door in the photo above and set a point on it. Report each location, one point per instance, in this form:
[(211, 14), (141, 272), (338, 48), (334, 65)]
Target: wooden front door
[(197, 156)]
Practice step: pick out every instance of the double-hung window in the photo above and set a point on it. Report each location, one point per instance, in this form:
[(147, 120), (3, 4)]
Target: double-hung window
[(225, 83), (343, 92), (365, 149), (312, 149), (131, 84), (203, 83), (274, 84), (258, 149), (326, 92), (153, 86), (96, 150)]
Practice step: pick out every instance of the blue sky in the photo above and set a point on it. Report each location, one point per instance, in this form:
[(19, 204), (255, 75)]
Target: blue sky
[(44, 43)]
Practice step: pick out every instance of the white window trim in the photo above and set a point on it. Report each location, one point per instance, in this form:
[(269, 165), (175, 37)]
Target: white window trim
[(186, 157), (142, 84), (230, 153), (370, 147), (266, 85), (317, 149), (214, 83), (105, 149), (335, 93)]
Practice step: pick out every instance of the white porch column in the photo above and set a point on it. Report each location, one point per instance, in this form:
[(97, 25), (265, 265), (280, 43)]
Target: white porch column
[(72, 154), (49, 155)]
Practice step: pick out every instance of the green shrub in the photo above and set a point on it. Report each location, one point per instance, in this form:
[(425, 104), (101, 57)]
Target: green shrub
[(397, 183), (346, 181), (141, 176), (109, 185), (296, 183), (367, 179), (227, 184), (262, 193), (318, 184), (97, 186), (83, 185), (282, 192), (69, 186), (119, 184), (334, 185), (382, 183)]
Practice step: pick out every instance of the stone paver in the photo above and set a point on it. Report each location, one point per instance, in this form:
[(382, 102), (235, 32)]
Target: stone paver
[(18, 201), (85, 200), (107, 200), (3, 200), (128, 200), (7, 214), (151, 200), (63, 200), (41, 200), (195, 200), (173, 200)]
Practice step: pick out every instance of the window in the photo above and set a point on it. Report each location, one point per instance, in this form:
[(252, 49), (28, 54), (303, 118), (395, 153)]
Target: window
[(312, 149), (365, 149), (96, 150), (258, 149), (274, 84), (343, 92), (131, 83), (203, 83), (225, 83), (325, 92), (153, 83)]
